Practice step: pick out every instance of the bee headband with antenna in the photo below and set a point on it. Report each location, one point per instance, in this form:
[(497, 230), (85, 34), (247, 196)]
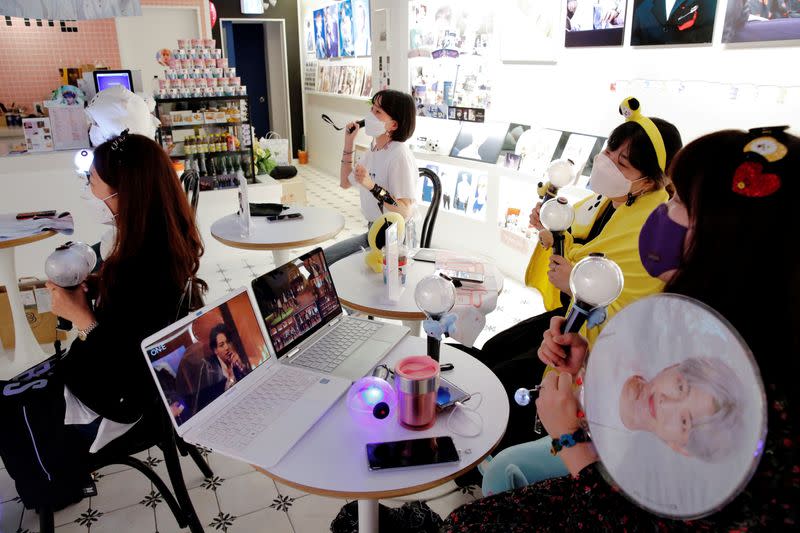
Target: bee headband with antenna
[(631, 109)]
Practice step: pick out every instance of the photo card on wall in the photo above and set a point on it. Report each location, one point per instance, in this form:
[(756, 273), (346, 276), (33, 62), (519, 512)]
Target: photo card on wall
[(319, 33), (595, 23), (332, 30)]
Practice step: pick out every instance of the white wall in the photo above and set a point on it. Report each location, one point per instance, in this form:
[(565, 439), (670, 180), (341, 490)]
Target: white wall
[(159, 27), (575, 94)]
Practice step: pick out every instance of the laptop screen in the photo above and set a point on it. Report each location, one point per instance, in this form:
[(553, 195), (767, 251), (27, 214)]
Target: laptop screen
[(197, 362), (296, 300)]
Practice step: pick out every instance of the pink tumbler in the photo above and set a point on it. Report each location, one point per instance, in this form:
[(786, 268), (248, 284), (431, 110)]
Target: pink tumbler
[(416, 381)]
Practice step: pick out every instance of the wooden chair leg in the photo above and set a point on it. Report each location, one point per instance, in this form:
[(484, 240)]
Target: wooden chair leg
[(161, 487), (200, 461)]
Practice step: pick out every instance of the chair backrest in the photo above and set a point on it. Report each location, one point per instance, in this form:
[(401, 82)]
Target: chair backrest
[(433, 208), (190, 180)]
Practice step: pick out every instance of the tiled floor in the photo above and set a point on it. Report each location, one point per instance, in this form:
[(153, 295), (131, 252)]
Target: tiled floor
[(238, 499)]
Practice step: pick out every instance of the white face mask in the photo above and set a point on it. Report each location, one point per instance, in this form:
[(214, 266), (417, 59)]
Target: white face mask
[(607, 179), (102, 213), (373, 126)]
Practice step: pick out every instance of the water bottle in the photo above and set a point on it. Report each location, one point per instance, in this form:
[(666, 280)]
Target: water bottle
[(244, 203), (411, 242)]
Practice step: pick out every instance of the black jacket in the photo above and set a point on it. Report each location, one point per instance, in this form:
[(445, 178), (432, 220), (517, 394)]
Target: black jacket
[(108, 371)]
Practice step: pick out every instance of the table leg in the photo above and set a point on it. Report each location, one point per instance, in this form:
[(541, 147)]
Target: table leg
[(281, 257), (27, 351), (367, 516), (415, 326)]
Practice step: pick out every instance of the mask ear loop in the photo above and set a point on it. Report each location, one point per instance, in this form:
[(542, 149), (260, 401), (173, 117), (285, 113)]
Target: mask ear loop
[(474, 417)]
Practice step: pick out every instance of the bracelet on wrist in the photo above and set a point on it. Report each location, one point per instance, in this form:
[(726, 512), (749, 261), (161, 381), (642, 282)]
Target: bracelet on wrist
[(345, 152), (568, 440)]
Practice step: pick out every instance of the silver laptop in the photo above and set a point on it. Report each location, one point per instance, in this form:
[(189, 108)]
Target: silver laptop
[(306, 324), (226, 391)]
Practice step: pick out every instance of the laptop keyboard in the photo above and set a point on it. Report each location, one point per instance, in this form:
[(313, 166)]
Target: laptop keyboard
[(236, 427), (332, 349)]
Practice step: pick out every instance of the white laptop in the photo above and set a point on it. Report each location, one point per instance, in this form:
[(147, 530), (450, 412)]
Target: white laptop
[(227, 391), (307, 326)]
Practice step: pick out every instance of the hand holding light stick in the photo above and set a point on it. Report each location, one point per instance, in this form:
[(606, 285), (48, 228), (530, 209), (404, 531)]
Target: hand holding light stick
[(595, 282), (557, 216), (435, 296), (69, 266)]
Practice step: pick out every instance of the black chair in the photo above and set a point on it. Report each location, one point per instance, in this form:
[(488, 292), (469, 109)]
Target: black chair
[(190, 180), (138, 439), (433, 209)]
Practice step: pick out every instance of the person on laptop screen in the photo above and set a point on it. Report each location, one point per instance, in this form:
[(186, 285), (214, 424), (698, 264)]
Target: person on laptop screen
[(204, 375)]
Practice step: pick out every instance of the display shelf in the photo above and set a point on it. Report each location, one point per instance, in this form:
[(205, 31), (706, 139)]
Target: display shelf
[(194, 105), (184, 156), (199, 99), (200, 125), (337, 95)]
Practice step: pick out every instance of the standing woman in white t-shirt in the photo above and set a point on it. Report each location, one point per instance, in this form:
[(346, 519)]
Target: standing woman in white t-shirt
[(386, 177)]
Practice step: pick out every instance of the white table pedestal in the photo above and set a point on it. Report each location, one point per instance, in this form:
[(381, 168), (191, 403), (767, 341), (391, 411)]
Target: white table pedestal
[(368, 516), (27, 351), (281, 257)]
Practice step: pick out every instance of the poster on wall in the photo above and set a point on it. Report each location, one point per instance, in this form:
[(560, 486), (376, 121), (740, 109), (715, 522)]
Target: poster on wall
[(332, 30), (308, 30), (346, 41), (464, 192), (319, 33), (580, 149), (595, 22), (686, 22), (361, 28), (748, 21), (479, 142), (536, 147), (450, 46), (529, 30)]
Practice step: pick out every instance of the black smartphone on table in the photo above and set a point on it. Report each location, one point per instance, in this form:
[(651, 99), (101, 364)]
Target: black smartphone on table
[(415, 452), (287, 216), (448, 394)]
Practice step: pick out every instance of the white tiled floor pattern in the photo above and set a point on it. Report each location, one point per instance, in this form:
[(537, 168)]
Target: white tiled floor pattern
[(238, 499)]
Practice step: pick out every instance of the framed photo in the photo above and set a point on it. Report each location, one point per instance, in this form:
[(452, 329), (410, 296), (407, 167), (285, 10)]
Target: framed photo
[(748, 21), (688, 22), (595, 23), (529, 30)]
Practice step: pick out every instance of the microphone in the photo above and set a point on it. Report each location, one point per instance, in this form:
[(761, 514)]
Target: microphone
[(557, 216), (360, 123), (69, 266), (559, 174), (595, 282)]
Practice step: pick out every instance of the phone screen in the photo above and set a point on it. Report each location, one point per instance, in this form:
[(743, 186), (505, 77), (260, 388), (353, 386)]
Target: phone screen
[(448, 394), (416, 452)]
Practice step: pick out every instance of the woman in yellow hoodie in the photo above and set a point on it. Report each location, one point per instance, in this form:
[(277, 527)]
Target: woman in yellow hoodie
[(628, 180)]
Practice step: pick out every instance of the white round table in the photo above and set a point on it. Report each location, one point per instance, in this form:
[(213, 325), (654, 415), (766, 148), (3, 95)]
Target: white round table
[(27, 351), (331, 459), (318, 224), (362, 289)]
